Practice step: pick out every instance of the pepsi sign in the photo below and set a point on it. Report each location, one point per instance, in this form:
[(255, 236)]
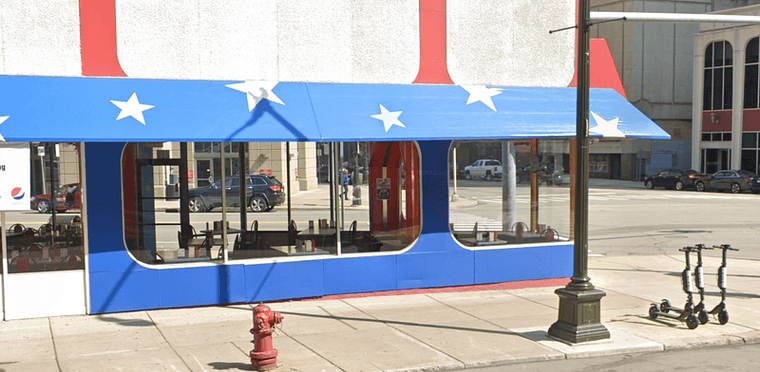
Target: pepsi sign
[(14, 177)]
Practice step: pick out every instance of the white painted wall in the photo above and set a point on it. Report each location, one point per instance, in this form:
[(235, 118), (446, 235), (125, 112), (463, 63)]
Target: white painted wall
[(508, 42), (40, 37), (53, 293), (346, 41)]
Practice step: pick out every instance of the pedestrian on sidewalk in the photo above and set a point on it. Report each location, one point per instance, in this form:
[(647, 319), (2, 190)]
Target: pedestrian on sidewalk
[(346, 181)]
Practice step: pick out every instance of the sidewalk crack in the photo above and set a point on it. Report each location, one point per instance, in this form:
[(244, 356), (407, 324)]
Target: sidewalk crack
[(55, 350), (168, 343)]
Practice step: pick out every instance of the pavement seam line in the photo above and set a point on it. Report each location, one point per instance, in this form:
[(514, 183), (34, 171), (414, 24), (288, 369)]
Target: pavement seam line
[(155, 325), (312, 350), (464, 365), (337, 318), (55, 349)]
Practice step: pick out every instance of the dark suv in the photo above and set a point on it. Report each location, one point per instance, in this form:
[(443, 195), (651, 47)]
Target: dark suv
[(263, 194)]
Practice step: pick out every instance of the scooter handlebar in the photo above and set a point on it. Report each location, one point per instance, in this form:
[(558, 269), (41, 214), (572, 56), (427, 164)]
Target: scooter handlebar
[(726, 247)]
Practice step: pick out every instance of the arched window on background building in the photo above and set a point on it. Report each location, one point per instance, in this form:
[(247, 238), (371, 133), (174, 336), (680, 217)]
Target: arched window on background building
[(718, 76)]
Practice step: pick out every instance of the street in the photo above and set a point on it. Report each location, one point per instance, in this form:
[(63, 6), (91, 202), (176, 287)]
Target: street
[(743, 358)]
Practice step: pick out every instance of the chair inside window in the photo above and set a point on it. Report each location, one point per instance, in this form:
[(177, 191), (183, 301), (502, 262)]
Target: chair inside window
[(248, 240), (519, 228)]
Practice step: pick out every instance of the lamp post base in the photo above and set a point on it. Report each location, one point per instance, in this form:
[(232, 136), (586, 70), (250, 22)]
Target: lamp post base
[(579, 316)]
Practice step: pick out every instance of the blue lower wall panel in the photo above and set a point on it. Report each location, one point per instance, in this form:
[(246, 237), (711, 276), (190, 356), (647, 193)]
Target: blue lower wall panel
[(523, 263), (360, 274), (284, 280), (115, 291), (441, 263), (207, 285)]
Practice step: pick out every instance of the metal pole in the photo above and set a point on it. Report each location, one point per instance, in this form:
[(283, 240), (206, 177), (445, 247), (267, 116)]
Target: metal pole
[(670, 17), (580, 279), (455, 196), (579, 317), (224, 204), (243, 173)]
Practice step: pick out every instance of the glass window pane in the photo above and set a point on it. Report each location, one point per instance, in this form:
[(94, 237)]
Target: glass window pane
[(749, 140), (51, 239), (203, 147), (750, 86), (718, 54), (751, 56), (251, 233), (514, 214), (709, 56), (717, 102), (716, 137), (728, 56), (728, 91), (706, 137), (749, 160), (727, 136), (707, 92)]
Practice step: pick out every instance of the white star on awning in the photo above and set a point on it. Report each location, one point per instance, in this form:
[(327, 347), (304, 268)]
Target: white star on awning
[(607, 128), (389, 118), (255, 91), (132, 108), (2, 119), (479, 93)]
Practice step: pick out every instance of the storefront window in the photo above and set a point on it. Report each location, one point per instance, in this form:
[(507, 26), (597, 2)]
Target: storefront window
[(302, 200), (47, 235), (518, 194)]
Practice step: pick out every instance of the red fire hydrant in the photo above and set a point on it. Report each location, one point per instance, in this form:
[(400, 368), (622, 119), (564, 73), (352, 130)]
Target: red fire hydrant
[(264, 355)]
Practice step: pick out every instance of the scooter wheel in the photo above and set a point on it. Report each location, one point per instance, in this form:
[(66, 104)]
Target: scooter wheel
[(653, 311), (665, 306), (723, 316), (703, 317), (692, 321)]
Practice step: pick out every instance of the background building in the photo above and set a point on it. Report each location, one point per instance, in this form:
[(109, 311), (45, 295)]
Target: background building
[(658, 63)]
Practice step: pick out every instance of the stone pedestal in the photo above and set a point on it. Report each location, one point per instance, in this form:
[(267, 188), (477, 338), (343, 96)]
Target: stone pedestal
[(579, 316)]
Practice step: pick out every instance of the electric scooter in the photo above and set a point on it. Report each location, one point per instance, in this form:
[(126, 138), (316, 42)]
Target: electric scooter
[(687, 313), (720, 309), (699, 279)]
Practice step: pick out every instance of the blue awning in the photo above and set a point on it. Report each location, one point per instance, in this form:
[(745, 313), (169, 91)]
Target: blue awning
[(67, 109)]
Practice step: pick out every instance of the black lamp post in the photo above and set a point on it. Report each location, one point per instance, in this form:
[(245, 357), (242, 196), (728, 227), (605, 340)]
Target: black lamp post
[(579, 302)]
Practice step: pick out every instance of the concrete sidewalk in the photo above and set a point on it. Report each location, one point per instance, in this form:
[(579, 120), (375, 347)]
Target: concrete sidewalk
[(427, 330)]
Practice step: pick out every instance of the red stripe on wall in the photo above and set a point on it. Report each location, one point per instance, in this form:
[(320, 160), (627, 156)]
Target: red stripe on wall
[(716, 121), (433, 69), (97, 27), (751, 121), (603, 71)]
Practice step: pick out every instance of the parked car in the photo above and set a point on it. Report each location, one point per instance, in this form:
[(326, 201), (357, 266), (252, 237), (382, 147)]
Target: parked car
[(263, 192), (486, 169), (546, 174), (67, 197), (673, 179), (729, 180)]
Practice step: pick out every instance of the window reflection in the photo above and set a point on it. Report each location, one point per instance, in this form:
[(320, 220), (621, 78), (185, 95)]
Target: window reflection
[(509, 192), (179, 207), (51, 238)]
